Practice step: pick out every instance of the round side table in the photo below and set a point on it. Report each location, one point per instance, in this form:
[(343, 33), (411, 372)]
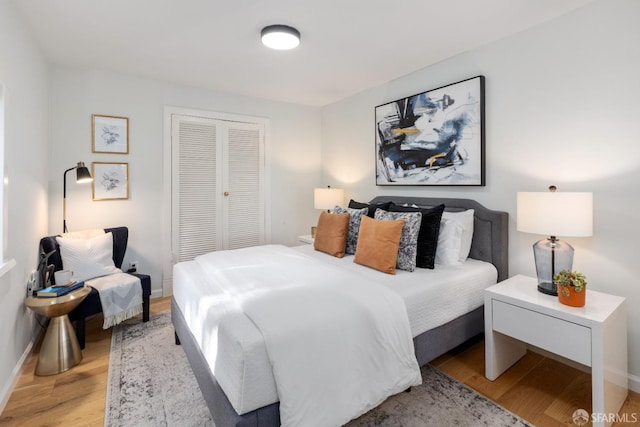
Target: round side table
[(60, 350)]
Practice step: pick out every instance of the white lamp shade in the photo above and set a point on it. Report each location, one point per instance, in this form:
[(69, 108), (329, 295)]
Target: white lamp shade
[(327, 198), (555, 213)]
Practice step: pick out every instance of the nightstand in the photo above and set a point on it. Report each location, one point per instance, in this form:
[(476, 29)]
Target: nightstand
[(516, 314), (306, 239), (60, 350)]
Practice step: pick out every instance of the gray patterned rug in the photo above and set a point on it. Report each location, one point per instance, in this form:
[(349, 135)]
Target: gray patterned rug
[(151, 384), (150, 380)]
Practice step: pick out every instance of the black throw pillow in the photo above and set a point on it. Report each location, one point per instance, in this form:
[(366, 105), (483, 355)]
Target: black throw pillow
[(428, 235), (372, 208)]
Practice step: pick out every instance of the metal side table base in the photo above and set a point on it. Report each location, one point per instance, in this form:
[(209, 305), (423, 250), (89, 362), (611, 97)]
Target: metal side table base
[(60, 350)]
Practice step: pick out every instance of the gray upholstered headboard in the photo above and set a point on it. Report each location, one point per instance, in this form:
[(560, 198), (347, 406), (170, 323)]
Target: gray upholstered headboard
[(490, 230)]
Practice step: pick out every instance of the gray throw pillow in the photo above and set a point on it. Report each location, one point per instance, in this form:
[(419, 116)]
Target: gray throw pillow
[(355, 217)]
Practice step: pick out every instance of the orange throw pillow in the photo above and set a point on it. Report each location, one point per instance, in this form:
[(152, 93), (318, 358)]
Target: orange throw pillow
[(331, 235), (378, 243)]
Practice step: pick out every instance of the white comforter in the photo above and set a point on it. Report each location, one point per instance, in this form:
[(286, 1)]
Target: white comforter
[(338, 345)]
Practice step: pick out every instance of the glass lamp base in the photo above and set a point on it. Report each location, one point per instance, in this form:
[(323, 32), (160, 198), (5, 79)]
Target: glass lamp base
[(548, 288), (552, 256)]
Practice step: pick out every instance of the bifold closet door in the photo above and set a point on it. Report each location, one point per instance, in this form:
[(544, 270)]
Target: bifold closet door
[(243, 206), (197, 182), (217, 185)]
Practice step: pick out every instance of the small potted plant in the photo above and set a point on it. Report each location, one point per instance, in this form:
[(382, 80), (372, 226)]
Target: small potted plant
[(571, 288)]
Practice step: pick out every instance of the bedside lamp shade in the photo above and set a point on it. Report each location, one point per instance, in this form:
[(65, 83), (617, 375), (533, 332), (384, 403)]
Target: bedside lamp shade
[(327, 198), (554, 214)]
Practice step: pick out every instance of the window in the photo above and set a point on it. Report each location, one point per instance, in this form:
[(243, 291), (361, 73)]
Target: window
[(4, 265)]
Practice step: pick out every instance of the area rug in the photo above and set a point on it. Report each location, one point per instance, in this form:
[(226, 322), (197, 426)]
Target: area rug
[(151, 384), (150, 380)]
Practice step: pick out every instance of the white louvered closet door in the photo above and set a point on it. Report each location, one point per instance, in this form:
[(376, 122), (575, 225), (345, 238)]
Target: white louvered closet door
[(196, 177), (244, 155), (217, 185)]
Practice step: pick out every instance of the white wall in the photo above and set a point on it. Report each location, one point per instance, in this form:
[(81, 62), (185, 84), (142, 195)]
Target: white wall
[(562, 107), (23, 72), (77, 94)]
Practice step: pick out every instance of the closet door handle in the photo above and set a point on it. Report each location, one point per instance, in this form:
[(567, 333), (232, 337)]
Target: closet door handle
[(226, 194)]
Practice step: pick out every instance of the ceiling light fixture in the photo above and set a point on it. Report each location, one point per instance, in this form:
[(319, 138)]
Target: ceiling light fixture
[(281, 37)]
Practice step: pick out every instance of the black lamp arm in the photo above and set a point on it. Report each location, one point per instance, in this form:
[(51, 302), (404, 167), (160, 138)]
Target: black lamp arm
[(64, 199), (64, 181)]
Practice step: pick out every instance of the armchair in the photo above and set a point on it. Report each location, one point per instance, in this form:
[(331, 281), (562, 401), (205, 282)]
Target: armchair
[(91, 304)]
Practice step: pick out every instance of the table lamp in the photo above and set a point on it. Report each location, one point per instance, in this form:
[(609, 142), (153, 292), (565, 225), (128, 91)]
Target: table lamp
[(327, 198), (554, 214)]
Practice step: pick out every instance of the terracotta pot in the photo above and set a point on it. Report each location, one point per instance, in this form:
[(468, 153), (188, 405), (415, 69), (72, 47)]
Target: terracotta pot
[(567, 295)]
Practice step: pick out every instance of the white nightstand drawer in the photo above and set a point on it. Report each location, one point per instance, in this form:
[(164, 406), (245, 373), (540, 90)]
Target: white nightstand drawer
[(549, 333)]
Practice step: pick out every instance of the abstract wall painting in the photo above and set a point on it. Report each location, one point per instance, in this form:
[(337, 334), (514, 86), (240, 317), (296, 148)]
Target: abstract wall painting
[(110, 181), (110, 134), (433, 138)]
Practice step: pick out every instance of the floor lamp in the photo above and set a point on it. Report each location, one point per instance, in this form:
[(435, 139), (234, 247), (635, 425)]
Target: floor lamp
[(82, 176)]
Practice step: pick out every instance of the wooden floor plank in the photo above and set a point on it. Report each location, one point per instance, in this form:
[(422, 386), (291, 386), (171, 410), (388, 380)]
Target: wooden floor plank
[(577, 392), (542, 391), (537, 391)]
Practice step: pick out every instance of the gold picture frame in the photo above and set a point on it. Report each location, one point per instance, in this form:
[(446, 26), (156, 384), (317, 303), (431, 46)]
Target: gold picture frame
[(110, 134), (110, 180)]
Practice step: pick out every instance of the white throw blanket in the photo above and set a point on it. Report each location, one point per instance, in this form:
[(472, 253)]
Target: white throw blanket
[(339, 345), (120, 295)]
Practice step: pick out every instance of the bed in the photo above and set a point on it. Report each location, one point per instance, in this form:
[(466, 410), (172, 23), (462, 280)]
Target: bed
[(242, 394)]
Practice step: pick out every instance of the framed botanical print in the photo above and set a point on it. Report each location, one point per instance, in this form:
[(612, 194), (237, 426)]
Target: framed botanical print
[(110, 181), (110, 134), (433, 138)]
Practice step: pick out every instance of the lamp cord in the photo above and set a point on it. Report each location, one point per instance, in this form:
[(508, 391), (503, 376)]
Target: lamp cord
[(554, 239)]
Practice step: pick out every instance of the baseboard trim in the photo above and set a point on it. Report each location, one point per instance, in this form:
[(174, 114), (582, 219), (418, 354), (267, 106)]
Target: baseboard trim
[(634, 383), (156, 293), (15, 374)]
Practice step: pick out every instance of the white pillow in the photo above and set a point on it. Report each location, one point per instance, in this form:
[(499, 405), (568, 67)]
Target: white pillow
[(465, 219), (84, 234), (449, 241), (88, 258)]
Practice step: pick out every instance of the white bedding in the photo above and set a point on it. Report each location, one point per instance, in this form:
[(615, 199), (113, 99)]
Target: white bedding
[(359, 352), (432, 298)]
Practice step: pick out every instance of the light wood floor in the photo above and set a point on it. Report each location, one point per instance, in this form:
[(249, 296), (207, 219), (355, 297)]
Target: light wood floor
[(543, 391), (540, 390)]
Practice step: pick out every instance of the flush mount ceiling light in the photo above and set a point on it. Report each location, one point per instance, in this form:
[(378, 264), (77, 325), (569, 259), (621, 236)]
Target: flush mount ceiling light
[(281, 37)]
